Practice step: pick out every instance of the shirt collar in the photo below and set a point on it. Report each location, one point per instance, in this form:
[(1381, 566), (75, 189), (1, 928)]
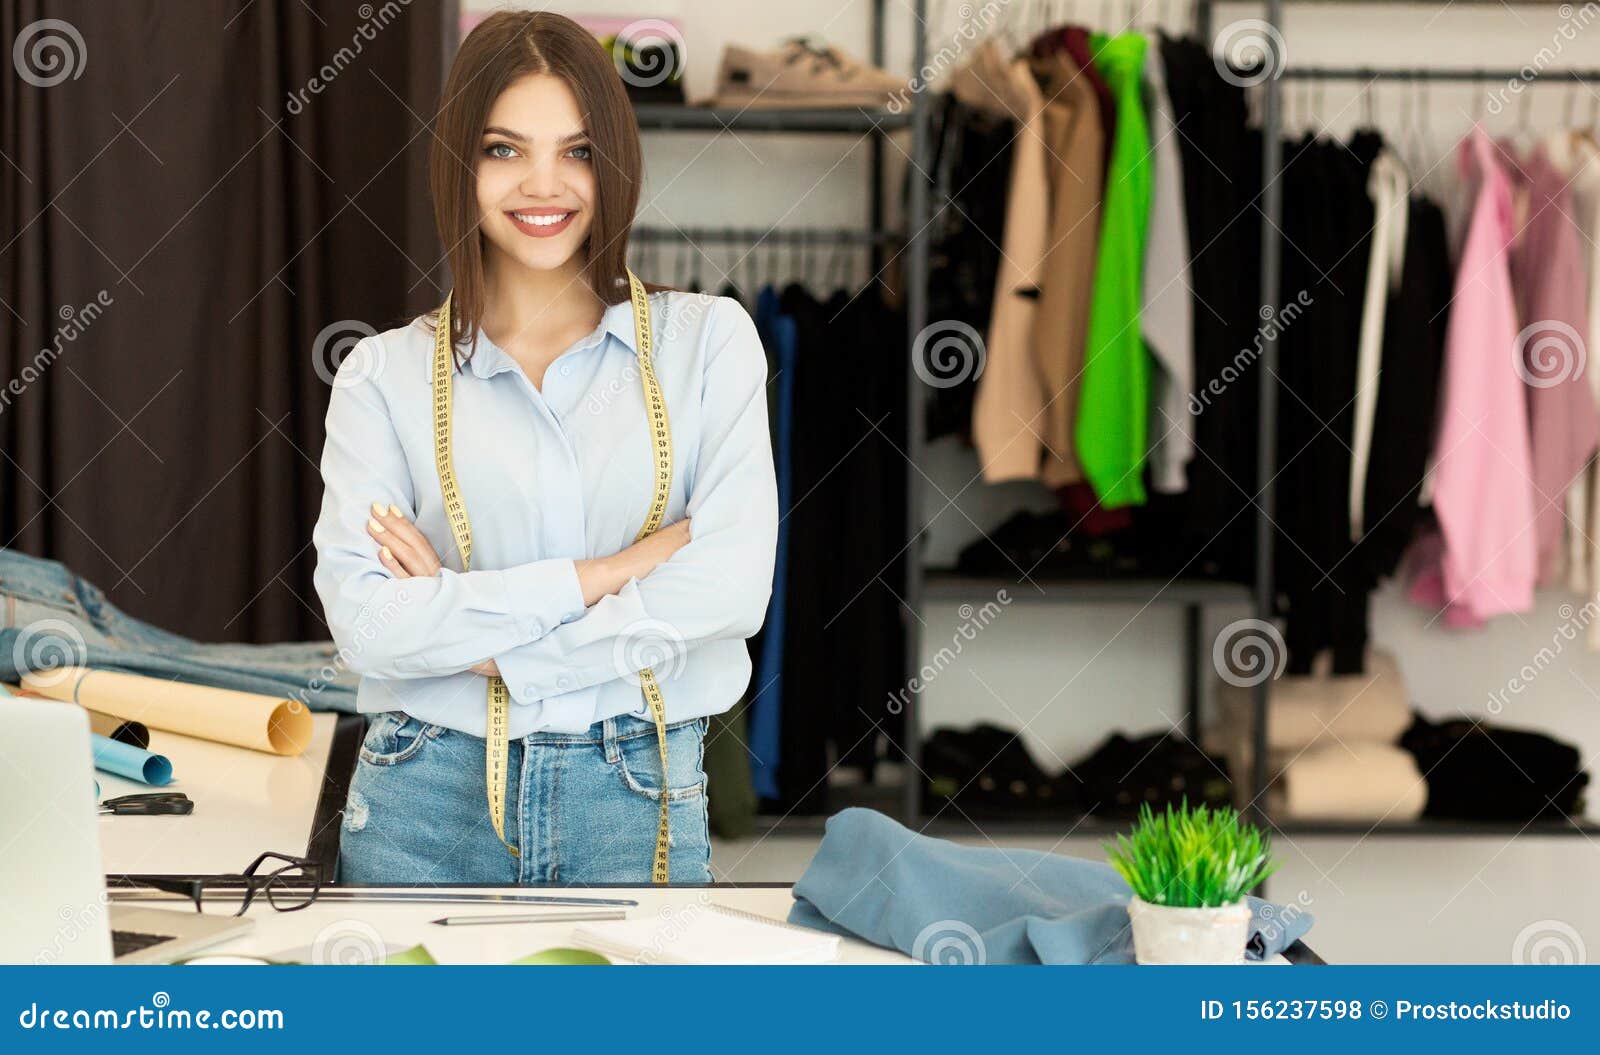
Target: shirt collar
[(489, 358)]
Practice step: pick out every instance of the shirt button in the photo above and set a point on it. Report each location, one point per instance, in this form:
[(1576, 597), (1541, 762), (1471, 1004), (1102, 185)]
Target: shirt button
[(537, 628), (564, 681)]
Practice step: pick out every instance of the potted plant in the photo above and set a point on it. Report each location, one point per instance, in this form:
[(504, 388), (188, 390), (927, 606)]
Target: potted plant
[(1189, 869)]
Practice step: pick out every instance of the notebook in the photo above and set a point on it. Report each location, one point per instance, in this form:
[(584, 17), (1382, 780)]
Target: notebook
[(707, 934)]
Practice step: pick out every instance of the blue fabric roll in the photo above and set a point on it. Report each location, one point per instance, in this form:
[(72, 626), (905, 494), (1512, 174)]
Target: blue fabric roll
[(875, 879), (125, 760)]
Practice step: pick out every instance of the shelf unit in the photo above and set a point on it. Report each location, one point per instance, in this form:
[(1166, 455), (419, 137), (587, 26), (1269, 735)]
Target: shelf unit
[(1271, 275), (924, 585)]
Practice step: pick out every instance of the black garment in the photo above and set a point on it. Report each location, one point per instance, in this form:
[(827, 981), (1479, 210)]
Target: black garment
[(1122, 774), (971, 171), (1328, 218), (844, 647), (1404, 421), (1485, 773), (1222, 181)]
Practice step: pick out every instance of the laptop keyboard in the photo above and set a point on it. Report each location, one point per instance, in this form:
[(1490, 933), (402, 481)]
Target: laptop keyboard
[(124, 942)]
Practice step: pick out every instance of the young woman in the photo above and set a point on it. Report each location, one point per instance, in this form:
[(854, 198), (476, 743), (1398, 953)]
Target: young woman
[(550, 514)]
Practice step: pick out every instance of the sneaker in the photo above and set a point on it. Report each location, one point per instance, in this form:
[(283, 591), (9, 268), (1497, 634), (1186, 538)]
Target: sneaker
[(803, 73)]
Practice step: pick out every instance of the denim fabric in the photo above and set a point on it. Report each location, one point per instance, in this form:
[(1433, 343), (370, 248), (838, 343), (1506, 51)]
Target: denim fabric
[(50, 617), (581, 808)]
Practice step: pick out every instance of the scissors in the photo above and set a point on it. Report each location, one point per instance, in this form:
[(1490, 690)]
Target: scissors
[(149, 804)]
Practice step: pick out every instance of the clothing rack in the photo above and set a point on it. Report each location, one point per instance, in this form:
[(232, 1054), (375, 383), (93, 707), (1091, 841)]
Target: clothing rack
[(819, 237), (1267, 425)]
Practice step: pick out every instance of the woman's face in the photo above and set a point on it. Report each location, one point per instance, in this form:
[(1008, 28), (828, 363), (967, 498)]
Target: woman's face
[(536, 184)]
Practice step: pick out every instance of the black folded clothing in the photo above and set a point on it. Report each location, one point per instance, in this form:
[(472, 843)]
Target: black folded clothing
[(986, 771), (1044, 546), (1487, 773), (1121, 775)]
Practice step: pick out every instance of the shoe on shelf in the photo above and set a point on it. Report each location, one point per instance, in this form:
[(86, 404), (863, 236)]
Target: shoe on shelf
[(803, 73)]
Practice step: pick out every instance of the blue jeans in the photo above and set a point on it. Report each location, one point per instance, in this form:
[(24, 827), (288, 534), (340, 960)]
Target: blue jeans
[(50, 617), (581, 808)]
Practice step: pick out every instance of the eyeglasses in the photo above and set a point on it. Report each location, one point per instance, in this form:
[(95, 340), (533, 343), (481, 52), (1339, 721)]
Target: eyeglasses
[(290, 883)]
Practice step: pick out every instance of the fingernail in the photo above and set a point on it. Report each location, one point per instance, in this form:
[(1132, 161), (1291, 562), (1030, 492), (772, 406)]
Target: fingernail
[(386, 554), (377, 509), (373, 525), (395, 511)]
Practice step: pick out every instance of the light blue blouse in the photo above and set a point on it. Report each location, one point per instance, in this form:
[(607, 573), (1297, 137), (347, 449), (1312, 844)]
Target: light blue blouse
[(550, 475)]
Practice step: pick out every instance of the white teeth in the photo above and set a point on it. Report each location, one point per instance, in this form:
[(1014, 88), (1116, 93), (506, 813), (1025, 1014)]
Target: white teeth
[(541, 221)]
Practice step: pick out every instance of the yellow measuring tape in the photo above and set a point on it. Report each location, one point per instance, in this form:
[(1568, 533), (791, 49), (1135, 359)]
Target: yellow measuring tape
[(495, 734)]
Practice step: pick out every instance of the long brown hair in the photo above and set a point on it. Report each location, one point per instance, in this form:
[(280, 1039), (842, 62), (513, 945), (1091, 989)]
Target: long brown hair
[(504, 47)]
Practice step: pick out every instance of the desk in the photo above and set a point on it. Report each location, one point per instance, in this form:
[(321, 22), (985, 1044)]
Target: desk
[(354, 930), (359, 931), (245, 802)]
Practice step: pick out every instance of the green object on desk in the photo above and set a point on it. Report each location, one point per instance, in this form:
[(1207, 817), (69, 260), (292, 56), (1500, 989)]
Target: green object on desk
[(419, 956)]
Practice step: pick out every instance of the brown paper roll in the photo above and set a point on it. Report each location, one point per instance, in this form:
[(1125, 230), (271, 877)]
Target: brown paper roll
[(262, 723)]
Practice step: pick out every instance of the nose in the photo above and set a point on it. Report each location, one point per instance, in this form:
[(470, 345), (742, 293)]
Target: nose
[(542, 178)]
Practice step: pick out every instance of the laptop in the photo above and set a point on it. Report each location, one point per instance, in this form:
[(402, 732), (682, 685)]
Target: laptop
[(53, 904)]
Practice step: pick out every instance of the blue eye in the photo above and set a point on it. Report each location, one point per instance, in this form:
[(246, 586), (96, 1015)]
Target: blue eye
[(492, 148), (580, 153)]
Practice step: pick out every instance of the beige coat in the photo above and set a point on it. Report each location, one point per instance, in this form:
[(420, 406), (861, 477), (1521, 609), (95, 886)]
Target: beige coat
[(1027, 395)]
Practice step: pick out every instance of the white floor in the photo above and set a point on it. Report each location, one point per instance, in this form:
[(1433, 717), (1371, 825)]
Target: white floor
[(1382, 899)]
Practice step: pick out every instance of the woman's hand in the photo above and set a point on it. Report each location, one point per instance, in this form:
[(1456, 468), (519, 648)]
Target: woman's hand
[(607, 575), (402, 549)]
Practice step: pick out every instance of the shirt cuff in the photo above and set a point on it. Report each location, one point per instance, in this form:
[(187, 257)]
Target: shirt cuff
[(543, 594)]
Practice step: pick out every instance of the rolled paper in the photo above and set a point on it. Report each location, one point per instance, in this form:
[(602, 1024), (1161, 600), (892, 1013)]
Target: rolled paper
[(272, 724), (125, 760), (136, 734)]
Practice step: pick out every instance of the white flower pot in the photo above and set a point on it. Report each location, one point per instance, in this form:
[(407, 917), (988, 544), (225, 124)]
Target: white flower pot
[(1171, 935)]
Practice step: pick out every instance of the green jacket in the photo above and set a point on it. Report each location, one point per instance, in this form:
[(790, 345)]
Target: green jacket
[(1114, 394)]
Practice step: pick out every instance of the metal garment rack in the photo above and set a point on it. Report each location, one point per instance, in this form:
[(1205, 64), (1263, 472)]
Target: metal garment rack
[(1267, 425)]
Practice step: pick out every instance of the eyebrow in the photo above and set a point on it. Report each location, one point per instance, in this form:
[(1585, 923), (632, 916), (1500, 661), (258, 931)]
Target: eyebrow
[(497, 130)]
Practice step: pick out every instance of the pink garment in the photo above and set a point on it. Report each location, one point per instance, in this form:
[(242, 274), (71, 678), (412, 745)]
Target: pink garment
[(1550, 275), (1483, 465)]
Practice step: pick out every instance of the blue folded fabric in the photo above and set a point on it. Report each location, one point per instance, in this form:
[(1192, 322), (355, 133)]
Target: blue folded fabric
[(875, 879)]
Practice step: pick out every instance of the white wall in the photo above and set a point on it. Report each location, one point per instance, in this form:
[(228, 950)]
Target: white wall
[(1122, 665)]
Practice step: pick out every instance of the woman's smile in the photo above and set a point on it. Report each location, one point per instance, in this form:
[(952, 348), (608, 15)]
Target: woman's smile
[(542, 222)]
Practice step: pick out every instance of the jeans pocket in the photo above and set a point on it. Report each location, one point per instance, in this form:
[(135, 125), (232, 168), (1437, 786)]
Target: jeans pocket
[(395, 737), (639, 763)]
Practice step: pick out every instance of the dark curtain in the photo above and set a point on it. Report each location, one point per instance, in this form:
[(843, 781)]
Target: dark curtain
[(194, 190)]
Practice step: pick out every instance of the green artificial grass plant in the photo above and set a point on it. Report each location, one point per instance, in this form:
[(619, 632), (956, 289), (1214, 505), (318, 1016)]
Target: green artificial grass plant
[(1192, 857)]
